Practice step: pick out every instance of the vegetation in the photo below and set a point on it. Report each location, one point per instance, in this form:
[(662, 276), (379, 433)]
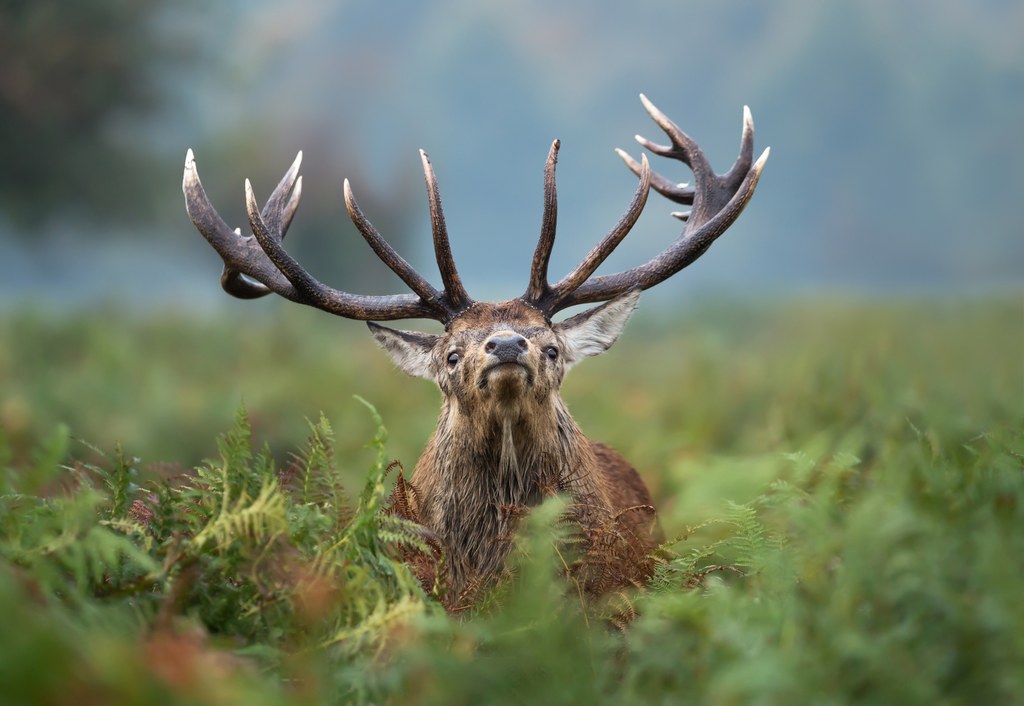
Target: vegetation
[(843, 484)]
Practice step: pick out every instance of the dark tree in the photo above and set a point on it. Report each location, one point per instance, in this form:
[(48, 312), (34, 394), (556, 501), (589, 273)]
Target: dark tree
[(70, 73)]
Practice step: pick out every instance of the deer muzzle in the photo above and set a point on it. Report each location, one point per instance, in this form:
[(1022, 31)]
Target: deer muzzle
[(506, 356)]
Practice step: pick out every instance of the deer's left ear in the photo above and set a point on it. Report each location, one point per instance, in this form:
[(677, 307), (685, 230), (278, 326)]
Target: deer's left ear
[(409, 350), (595, 330)]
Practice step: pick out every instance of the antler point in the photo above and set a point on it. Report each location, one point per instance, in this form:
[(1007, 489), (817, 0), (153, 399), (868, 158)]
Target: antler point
[(748, 119), (190, 177), (350, 198), (250, 201), (649, 106)]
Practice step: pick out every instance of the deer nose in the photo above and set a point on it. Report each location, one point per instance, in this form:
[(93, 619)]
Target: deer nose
[(506, 347)]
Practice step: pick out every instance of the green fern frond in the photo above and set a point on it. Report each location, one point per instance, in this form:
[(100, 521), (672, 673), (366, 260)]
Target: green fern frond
[(375, 626), (374, 491), (255, 520), (120, 482), (748, 539), (132, 529), (320, 481), (403, 532), (64, 543)]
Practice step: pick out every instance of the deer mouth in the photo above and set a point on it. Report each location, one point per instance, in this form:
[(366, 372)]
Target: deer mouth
[(505, 372)]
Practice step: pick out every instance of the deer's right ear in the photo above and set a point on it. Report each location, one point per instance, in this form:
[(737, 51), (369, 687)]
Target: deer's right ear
[(410, 350)]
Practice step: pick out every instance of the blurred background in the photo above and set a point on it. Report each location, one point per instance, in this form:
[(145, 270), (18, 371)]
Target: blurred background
[(831, 397), (896, 132), (896, 170)]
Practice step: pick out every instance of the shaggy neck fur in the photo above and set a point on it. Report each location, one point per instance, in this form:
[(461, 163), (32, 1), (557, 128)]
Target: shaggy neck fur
[(493, 469)]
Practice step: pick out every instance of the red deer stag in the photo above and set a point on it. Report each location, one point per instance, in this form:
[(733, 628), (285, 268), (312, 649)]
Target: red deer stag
[(504, 438)]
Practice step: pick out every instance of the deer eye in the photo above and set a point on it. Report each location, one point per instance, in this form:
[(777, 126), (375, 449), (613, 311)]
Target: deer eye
[(552, 352), (453, 359)]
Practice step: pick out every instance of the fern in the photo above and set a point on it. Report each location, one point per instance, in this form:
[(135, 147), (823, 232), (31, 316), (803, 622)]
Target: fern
[(405, 533), (234, 584), (320, 479), (64, 543), (120, 482), (260, 519), (374, 491), (376, 620)]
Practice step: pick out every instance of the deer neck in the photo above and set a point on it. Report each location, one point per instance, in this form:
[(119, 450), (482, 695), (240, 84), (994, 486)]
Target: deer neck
[(518, 450), (478, 475)]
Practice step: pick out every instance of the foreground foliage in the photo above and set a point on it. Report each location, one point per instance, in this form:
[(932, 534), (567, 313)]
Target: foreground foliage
[(873, 552)]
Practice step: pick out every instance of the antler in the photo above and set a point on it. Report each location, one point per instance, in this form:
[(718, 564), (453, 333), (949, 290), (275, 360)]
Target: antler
[(550, 298), (717, 202), (256, 267)]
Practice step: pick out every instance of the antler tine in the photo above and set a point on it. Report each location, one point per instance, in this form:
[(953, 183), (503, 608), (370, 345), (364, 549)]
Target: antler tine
[(284, 199), (398, 264), (680, 193), (278, 212), (717, 202), (739, 169), (256, 266), (538, 287), (455, 294), (683, 147), (316, 294), (242, 256), (564, 288)]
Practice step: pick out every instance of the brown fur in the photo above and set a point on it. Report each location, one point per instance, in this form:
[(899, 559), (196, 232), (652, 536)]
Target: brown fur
[(504, 441)]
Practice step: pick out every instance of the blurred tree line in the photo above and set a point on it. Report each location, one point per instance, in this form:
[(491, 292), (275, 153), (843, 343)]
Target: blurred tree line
[(72, 76), (880, 114), (87, 94)]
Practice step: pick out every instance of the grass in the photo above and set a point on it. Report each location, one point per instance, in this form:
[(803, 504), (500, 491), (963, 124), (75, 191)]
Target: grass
[(844, 480)]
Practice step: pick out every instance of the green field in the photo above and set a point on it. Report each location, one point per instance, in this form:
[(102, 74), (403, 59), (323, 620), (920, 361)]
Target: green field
[(842, 478)]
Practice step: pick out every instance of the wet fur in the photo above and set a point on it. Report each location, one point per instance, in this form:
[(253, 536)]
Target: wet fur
[(505, 439)]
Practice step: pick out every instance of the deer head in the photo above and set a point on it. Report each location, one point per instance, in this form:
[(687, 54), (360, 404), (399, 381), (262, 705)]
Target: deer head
[(505, 361), (504, 432)]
